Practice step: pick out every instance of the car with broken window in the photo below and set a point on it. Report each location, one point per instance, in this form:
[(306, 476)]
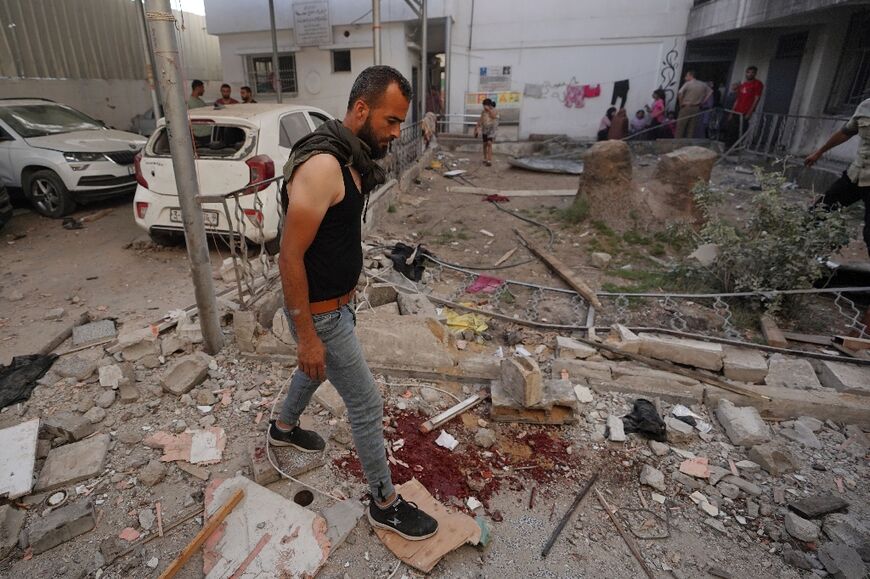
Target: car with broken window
[(61, 157), (237, 149)]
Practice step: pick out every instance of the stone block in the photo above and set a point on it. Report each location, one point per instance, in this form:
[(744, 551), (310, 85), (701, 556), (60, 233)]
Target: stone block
[(600, 260), (111, 376), (138, 343), (11, 521), (849, 530), (845, 377), (404, 342), (341, 519), (791, 373), (684, 167), (557, 407), (379, 294), (93, 332), (607, 162), (61, 525), (800, 528), (687, 352), (580, 369), (19, 448), (521, 378), (679, 431), (281, 329), (774, 459), (743, 425), (128, 393), (416, 305), (818, 505), (744, 365), (77, 367), (571, 349), (615, 429), (262, 471), (327, 396), (245, 330), (623, 339), (653, 477), (186, 373), (72, 463), (842, 561), (67, 425)]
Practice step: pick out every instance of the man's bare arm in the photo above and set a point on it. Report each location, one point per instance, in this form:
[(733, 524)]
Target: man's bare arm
[(316, 186), (836, 139)]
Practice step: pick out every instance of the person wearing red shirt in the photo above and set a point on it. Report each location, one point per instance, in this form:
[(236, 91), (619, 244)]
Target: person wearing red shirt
[(226, 99), (748, 95)]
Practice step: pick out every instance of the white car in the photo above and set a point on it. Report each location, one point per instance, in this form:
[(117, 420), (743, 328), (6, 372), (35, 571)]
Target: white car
[(236, 145), (60, 156)]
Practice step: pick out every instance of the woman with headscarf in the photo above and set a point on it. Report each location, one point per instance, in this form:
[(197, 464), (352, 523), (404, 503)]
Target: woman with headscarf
[(604, 125)]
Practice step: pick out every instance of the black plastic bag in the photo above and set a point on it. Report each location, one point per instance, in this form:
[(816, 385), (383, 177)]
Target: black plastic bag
[(414, 270), (645, 420), (18, 379)]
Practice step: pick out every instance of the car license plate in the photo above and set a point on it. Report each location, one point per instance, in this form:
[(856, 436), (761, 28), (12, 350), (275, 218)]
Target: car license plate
[(209, 217)]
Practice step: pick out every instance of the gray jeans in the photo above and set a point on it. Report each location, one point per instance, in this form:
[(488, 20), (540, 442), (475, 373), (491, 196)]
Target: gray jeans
[(347, 370)]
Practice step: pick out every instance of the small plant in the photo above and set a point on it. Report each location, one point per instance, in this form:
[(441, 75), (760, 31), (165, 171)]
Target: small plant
[(575, 213), (391, 208), (782, 245)]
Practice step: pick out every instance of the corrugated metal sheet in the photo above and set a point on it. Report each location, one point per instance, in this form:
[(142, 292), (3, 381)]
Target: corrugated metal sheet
[(93, 39)]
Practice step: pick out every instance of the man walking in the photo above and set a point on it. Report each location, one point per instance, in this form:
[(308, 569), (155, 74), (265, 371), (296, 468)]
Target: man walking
[(748, 95), (226, 98), (691, 96), (330, 174), (247, 95), (197, 88), (854, 184)]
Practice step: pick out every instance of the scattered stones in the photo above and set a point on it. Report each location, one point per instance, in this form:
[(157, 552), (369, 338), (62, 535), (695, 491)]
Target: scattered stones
[(774, 459), (600, 259), (842, 561), (659, 448), (748, 466), (77, 367), (696, 467), (152, 473), (728, 490), (716, 524), (689, 352), (717, 473), (687, 481), (791, 373), (743, 425), (129, 393), (146, 519), (615, 429), (800, 528), (743, 484), (653, 477), (186, 373), (796, 559), (814, 424), (69, 426), (485, 437), (95, 415), (134, 344), (111, 376), (60, 526), (54, 314), (584, 394), (105, 399), (849, 530), (129, 436), (802, 435), (818, 505)]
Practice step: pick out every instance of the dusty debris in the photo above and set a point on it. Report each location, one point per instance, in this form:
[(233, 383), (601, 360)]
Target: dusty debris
[(61, 525), (73, 463), (194, 446)]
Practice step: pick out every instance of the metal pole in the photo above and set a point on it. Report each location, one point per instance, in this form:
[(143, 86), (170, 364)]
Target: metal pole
[(161, 23), (149, 64), (424, 56), (276, 71), (376, 30), (448, 53)]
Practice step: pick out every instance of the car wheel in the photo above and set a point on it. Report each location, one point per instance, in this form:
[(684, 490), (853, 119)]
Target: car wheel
[(273, 246), (166, 239), (48, 195)]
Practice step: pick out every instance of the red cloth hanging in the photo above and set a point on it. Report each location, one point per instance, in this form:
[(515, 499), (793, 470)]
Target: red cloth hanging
[(591, 90)]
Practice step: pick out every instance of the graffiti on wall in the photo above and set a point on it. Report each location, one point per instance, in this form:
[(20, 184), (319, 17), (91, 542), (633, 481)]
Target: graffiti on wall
[(668, 74)]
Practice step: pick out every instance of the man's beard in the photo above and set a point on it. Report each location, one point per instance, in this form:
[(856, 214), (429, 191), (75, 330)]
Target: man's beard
[(367, 136)]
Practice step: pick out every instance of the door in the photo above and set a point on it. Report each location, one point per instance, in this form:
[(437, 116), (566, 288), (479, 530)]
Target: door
[(783, 73), (291, 128)]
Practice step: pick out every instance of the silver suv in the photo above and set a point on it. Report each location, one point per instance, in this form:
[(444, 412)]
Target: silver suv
[(60, 156)]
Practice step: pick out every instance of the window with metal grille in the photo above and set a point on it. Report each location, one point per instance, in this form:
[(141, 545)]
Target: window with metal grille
[(340, 61), (852, 83), (261, 77)]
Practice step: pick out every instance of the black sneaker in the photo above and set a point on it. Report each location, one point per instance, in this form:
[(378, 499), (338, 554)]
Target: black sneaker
[(403, 518), (304, 440)]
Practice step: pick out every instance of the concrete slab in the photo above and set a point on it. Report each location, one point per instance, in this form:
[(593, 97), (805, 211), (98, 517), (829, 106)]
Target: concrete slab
[(327, 396), (11, 521), (68, 425), (578, 369), (681, 351), (744, 365), (78, 367), (93, 332), (185, 373), (61, 525), (72, 463), (845, 377), (571, 349), (395, 341), (791, 373), (341, 519), (17, 458), (557, 407), (288, 540)]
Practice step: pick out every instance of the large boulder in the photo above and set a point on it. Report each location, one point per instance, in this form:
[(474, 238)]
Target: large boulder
[(607, 161), (682, 170)]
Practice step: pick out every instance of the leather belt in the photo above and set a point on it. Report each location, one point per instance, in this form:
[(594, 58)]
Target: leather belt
[(331, 304)]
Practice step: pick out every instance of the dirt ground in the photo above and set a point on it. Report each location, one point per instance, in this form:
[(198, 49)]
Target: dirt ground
[(98, 269)]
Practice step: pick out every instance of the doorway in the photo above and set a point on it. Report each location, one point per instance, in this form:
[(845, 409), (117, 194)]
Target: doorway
[(783, 73)]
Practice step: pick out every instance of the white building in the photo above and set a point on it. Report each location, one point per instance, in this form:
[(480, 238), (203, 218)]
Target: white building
[(542, 61)]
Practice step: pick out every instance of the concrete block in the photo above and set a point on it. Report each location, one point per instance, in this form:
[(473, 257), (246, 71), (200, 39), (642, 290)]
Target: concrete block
[(774, 459), (93, 332), (341, 519), (77, 367), (245, 330), (743, 425), (411, 342), (845, 377), (521, 378), (678, 431), (172, 343), (18, 450), (791, 373), (577, 369), (688, 352), (61, 525), (67, 425), (262, 471), (138, 343), (327, 396), (73, 463), (415, 305), (379, 294), (571, 349), (744, 365), (11, 522), (615, 429), (850, 530), (281, 328), (842, 561), (623, 339), (479, 366), (186, 373), (557, 407)]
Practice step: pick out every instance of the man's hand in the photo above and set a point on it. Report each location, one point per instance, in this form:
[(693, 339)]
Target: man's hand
[(312, 357), (811, 160)]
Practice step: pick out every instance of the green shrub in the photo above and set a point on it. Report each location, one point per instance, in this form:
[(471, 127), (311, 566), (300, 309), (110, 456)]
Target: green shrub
[(575, 213)]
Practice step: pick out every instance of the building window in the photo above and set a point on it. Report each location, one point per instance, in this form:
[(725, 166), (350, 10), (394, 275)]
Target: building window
[(260, 74), (340, 61), (852, 83)]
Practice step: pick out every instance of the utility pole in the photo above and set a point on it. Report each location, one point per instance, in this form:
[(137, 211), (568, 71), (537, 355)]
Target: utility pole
[(424, 54), (276, 70), (376, 30), (149, 63), (161, 22)]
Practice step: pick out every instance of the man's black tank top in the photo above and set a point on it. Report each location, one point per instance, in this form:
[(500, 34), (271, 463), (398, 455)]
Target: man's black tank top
[(334, 260)]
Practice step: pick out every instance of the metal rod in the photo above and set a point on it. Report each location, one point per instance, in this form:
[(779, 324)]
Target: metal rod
[(628, 541), (376, 31), (276, 69), (567, 516), (448, 57), (149, 62), (161, 24), (424, 57)]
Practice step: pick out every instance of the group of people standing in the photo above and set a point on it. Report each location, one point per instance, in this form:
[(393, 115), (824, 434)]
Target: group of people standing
[(197, 89)]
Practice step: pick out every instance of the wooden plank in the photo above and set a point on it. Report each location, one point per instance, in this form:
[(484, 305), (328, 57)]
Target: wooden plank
[(210, 526), (852, 343), (816, 339), (450, 413), (772, 334), (505, 257), (561, 270), (483, 191)]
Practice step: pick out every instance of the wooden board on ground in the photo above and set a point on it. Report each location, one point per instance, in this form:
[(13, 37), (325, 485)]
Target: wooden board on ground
[(852, 343), (454, 530), (563, 271), (772, 334)]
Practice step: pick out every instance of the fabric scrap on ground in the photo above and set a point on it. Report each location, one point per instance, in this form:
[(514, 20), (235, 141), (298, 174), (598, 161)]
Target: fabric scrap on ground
[(18, 379)]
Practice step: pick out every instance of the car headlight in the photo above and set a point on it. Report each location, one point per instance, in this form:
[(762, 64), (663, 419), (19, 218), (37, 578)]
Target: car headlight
[(84, 157)]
